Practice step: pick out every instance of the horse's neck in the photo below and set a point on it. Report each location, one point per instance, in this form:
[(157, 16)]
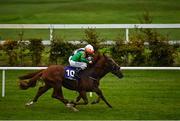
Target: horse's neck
[(98, 72), (102, 73)]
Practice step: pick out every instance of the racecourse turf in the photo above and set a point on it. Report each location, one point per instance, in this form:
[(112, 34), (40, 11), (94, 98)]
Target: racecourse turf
[(87, 11), (139, 95)]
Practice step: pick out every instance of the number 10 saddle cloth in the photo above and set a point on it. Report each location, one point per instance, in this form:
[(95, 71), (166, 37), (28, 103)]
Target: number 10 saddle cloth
[(70, 72)]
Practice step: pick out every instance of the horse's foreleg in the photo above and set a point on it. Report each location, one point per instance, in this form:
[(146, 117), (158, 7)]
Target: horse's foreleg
[(96, 101), (100, 94), (39, 93)]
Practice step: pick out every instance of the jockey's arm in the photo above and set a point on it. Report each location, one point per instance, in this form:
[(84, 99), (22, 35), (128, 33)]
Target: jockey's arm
[(80, 56), (83, 59)]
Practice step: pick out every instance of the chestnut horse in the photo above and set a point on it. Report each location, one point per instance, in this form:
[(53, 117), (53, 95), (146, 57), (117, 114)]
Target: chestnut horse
[(53, 77)]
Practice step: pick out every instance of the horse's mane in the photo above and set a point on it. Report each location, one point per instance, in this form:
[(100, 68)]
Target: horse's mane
[(97, 56)]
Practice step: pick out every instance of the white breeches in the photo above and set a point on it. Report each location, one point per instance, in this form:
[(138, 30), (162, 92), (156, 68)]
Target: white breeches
[(82, 65)]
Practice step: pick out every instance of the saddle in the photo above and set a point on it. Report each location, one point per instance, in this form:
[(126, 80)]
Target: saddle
[(72, 73)]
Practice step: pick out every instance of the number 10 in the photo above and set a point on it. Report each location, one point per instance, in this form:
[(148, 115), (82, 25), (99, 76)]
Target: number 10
[(70, 73)]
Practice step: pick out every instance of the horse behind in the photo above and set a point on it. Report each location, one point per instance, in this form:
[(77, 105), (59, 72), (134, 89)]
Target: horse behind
[(89, 81)]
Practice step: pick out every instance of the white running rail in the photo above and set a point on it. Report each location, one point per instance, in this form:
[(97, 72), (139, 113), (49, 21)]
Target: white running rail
[(85, 26), (4, 69)]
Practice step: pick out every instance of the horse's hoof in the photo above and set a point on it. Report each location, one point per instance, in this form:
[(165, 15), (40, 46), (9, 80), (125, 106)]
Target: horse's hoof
[(29, 103), (71, 106), (74, 109)]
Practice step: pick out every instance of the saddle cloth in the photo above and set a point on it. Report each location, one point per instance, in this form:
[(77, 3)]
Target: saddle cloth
[(70, 72)]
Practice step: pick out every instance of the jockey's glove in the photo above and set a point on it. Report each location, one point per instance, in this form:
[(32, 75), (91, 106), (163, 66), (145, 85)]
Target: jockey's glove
[(90, 62)]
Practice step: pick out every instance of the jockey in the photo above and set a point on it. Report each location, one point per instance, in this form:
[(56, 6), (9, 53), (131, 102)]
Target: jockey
[(81, 57)]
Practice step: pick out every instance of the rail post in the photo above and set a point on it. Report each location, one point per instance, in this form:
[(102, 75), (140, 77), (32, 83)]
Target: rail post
[(51, 32), (3, 82), (127, 35)]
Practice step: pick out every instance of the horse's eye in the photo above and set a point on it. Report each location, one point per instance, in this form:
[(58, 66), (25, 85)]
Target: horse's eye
[(118, 68)]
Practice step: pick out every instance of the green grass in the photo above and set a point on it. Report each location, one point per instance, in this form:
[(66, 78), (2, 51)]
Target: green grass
[(84, 12), (87, 11), (139, 95)]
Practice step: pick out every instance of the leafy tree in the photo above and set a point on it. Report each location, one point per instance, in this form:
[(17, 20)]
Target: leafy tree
[(92, 37), (9, 47), (161, 51), (60, 50), (36, 48), (158, 52)]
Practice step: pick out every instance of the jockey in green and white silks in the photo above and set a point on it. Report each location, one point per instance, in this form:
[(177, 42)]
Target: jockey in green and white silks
[(79, 57)]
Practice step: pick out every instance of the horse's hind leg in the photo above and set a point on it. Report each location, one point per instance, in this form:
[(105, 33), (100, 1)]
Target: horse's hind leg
[(100, 94), (39, 93), (57, 93), (84, 97), (78, 98)]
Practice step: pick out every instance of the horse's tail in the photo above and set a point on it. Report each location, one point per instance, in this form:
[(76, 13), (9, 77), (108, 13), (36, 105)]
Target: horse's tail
[(29, 75), (33, 77)]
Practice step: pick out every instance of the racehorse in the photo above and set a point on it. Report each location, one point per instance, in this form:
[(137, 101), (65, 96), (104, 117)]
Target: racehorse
[(89, 81)]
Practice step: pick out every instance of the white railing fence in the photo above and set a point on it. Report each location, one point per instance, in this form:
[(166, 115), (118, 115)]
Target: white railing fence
[(4, 69), (85, 26), (51, 27)]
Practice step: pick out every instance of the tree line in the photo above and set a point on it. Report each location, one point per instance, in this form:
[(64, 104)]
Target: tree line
[(146, 47)]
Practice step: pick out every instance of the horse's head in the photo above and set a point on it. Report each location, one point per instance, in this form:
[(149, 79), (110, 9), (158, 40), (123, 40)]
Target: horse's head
[(112, 66), (104, 64)]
